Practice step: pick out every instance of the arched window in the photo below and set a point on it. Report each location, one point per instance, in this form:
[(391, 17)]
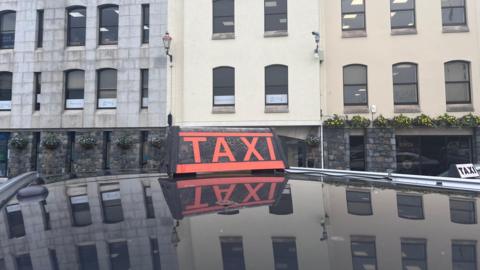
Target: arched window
[(457, 82), (223, 16), (224, 86), (7, 29), (76, 25), (108, 24), (74, 89), (405, 83), (107, 88), (5, 91), (276, 85), (276, 18), (355, 87)]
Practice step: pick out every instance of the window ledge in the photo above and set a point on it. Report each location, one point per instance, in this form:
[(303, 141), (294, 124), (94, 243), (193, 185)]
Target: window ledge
[(404, 31), (107, 47), (220, 36), (349, 109), (106, 111), (281, 33), (455, 29), (6, 50), (75, 48), (276, 109), (460, 108), (407, 108), (223, 109), (354, 34)]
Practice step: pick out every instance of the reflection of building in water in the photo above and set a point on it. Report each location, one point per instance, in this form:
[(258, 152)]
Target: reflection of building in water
[(104, 223), (338, 227)]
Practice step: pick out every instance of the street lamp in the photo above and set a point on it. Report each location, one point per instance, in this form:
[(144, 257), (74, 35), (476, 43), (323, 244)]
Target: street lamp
[(167, 40), (316, 52)]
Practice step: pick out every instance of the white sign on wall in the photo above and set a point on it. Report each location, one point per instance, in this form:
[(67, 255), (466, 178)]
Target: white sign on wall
[(75, 104), (467, 170), (79, 199), (107, 102), (277, 99), (224, 100), (5, 105), (112, 195)]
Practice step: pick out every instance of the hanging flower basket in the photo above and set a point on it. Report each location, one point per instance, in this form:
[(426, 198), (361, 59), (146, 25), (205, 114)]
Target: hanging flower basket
[(359, 122), (87, 141), (158, 142), (381, 122), (312, 140), (51, 141), (469, 120), (423, 121), (18, 142), (334, 122), (402, 121), (446, 120), (124, 142)]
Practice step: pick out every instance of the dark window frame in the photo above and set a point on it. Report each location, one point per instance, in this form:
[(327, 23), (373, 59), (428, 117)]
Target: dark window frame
[(231, 239), (464, 7), (364, 152), (464, 243), (113, 260), (283, 239), (145, 23), (410, 83), (214, 17), (26, 257), (75, 222), (143, 89), (410, 206), (40, 22), (364, 28), (94, 261), (363, 239), (474, 204), (4, 139), (69, 26), (101, 24), (414, 9), (469, 82), (155, 253), (274, 13), (37, 78), (99, 71), (350, 201), (45, 216), (416, 242), (105, 208), (19, 229), (4, 13), (11, 89), (277, 85), (366, 85), (67, 89), (107, 143), (231, 69), (149, 205), (143, 148)]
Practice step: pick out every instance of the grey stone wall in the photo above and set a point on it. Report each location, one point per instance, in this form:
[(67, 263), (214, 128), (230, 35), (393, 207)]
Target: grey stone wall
[(52, 162), (125, 159), (157, 156), (88, 161), (336, 148), (21, 160), (380, 149)]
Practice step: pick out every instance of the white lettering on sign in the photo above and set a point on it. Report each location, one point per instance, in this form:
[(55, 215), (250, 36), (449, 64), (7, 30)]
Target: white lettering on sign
[(467, 170)]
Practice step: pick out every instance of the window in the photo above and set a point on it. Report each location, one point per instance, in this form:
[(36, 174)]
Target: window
[(108, 27), (276, 15), (40, 28), (359, 203), (353, 15), (7, 29), (87, 256), (410, 206), (70, 152), (16, 227), (364, 253), (414, 254), (155, 254), (223, 16), (74, 89), (38, 90), (143, 149), (462, 211), (112, 206), (454, 13), (35, 150), (232, 253), (145, 23), (276, 85), (45, 215), (285, 253), (464, 255), (5, 91), (144, 84), (284, 206), (23, 262), (150, 210), (224, 86), (405, 84), (4, 153), (53, 259), (402, 14), (355, 86), (80, 210), (107, 141), (107, 88), (457, 82), (76, 26), (119, 259), (357, 153)]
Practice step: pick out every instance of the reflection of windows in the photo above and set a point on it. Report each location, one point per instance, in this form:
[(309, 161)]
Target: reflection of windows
[(23, 262), (74, 89), (45, 215), (108, 26), (4, 153), (464, 255), (76, 26), (357, 153), (463, 211), (414, 254), (402, 14), (145, 23), (80, 210), (38, 89), (410, 206), (112, 206), (405, 84), (232, 253), (144, 85), (364, 254), (284, 206), (276, 15), (457, 82), (355, 88), (285, 253), (155, 251), (16, 227), (224, 86), (353, 15), (143, 149), (107, 88), (53, 259), (119, 259), (223, 16), (5, 91), (454, 12), (359, 203), (7, 29), (87, 256), (276, 85), (147, 191)]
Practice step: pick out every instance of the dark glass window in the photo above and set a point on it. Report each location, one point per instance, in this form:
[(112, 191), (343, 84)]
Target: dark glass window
[(276, 15), (353, 15), (405, 84), (454, 12), (223, 16), (144, 84), (107, 88), (80, 210), (112, 206), (4, 153), (40, 28), (284, 206), (108, 27), (119, 258), (355, 86), (276, 85), (5, 91), (76, 26), (74, 89), (155, 254), (35, 150), (285, 253), (16, 227), (145, 23), (7, 29), (147, 191), (457, 82), (364, 253), (224, 86), (402, 14), (70, 152), (410, 206), (87, 256), (359, 203), (53, 259), (414, 254), (357, 153), (464, 255), (107, 141), (38, 89), (232, 253), (23, 262), (463, 211), (45, 215), (144, 149)]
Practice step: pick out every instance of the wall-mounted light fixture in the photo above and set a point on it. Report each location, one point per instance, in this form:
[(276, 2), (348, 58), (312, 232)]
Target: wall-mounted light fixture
[(317, 53), (167, 40)]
